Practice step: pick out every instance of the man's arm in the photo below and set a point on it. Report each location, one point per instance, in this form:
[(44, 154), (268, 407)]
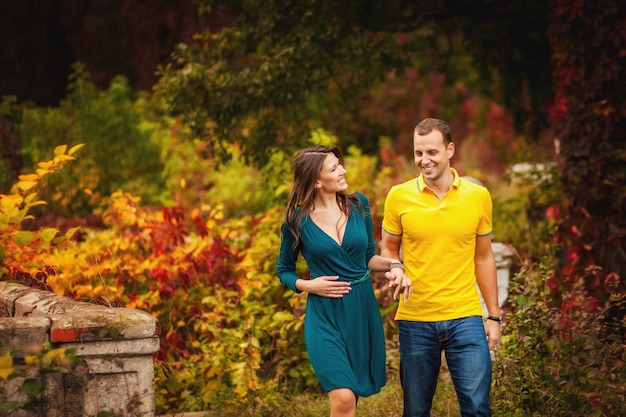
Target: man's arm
[(390, 245), (391, 249), (487, 280)]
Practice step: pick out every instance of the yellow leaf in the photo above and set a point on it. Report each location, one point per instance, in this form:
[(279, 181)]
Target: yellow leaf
[(42, 172), (63, 158), (26, 185), (57, 353), (74, 148), (10, 201), (281, 189), (36, 203), (6, 361), (60, 150), (30, 197), (6, 366), (28, 177), (5, 373), (31, 359)]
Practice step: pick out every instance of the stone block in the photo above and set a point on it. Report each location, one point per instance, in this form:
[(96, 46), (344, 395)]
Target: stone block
[(115, 347), (26, 334)]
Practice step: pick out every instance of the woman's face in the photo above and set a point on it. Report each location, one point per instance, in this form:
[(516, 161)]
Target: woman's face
[(332, 176)]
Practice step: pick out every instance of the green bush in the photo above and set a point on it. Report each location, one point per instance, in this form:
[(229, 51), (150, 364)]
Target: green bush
[(524, 213), (119, 153), (560, 357)]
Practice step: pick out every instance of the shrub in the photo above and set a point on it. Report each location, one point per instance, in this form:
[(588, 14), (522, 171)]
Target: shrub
[(24, 254), (560, 357), (120, 150), (29, 372)]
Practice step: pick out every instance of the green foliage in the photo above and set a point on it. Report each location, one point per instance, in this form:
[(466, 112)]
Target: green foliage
[(192, 178), (22, 381), (254, 83), (118, 152), (560, 357), (275, 70), (526, 212)]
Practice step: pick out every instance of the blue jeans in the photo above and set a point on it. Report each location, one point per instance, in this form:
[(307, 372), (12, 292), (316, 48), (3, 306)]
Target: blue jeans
[(467, 355)]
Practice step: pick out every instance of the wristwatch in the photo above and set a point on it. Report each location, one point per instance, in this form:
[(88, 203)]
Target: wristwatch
[(495, 318)]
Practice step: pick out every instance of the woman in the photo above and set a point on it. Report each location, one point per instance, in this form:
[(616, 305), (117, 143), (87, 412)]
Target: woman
[(333, 231)]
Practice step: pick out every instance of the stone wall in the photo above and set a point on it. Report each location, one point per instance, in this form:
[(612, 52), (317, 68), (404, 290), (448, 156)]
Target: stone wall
[(115, 346), (504, 257)]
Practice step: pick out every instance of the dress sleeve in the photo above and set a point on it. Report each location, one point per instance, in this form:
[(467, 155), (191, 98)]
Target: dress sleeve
[(287, 257), (367, 218)]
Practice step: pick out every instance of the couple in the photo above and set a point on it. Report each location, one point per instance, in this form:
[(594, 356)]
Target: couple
[(443, 224)]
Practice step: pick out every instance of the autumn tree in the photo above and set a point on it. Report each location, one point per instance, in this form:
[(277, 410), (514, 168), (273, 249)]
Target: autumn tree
[(265, 79), (588, 44)]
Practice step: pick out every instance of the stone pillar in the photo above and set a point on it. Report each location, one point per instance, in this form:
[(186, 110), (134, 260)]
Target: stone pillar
[(115, 345), (504, 260)]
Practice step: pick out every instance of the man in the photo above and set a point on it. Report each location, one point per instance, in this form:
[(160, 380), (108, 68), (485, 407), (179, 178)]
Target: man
[(443, 224)]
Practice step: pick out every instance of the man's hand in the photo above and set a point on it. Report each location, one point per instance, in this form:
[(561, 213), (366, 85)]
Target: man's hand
[(492, 328), (401, 282)]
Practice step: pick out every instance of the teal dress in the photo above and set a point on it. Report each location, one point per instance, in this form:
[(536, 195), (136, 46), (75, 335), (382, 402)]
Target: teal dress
[(344, 336)]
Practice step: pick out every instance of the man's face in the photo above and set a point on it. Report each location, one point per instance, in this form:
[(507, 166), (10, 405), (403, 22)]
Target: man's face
[(431, 154)]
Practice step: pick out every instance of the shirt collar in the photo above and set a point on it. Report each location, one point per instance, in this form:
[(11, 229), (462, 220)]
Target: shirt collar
[(421, 183)]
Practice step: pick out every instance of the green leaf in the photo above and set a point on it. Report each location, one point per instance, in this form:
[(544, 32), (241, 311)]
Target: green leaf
[(48, 234), (31, 386), (70, 232), (23, 238), (54, 369), (14, 405)]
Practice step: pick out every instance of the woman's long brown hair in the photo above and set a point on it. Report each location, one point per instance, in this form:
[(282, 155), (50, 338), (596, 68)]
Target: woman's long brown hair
[(306, 170)]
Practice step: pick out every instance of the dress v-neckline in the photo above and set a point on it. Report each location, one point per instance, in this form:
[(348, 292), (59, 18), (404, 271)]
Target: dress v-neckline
[(342, 232)]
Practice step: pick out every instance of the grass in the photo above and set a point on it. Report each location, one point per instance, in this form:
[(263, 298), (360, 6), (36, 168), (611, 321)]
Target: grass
[(386, 403), (389, 401)]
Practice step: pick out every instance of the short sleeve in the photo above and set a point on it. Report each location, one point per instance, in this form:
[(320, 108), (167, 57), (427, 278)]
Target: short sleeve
[(391, 220), (485, 225)]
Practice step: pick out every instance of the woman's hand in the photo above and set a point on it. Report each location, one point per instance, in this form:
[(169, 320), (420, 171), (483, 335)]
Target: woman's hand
[(325, 286), (403, 284)]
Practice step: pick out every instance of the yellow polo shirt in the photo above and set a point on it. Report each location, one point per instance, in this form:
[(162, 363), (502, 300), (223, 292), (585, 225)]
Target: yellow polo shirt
[(438, 246)]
